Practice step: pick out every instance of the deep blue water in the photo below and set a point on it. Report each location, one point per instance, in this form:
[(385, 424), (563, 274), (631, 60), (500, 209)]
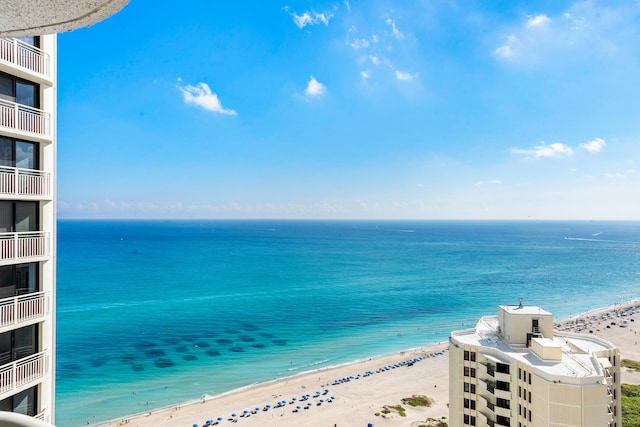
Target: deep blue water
[(153, 313)]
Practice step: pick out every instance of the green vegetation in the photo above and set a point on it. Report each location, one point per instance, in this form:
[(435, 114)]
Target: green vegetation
[(418, 400), (630, 405), (632, 365), (432, 422), (398, 408)]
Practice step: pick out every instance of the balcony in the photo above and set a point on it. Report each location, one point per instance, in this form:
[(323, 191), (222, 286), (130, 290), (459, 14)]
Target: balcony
[(24, 55), (21, 310), (24, 183), (23, 246), (501, 376), (19, 120), (22, 373)]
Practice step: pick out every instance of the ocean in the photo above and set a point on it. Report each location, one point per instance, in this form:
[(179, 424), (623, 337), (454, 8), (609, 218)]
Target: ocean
[(156, 313)]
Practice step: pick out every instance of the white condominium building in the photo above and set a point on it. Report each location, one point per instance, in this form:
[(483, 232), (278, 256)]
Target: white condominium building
[(27, 225), (515, 370)]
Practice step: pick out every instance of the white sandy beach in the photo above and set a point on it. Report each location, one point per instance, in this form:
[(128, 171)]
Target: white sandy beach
[(357, 401)]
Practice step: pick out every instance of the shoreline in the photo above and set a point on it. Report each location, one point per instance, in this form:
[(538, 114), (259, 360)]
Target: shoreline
[(357, 401)]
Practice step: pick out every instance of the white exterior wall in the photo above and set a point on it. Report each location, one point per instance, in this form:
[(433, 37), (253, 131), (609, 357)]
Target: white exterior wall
[(45, 257)]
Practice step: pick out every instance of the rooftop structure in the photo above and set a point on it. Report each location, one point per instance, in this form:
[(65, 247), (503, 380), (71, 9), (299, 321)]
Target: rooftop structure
[(514, 370), (19, 18)]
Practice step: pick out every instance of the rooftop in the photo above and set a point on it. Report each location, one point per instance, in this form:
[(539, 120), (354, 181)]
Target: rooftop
[(578, 360)]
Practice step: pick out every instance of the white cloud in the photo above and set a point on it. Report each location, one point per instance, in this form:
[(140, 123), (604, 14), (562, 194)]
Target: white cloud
[(537, 20), (315, 88), (374, 59), (347, 5), (201, 96), (364, 74), (311, 17), (395, 30), (507, 49), (556, 149), (359, 44), (594, 146), (407, 77)]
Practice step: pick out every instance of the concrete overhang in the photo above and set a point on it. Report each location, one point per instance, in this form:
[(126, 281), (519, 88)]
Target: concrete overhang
[(36, 17)]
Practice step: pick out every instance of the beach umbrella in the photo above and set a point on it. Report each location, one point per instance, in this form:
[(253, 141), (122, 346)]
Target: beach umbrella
[(219, 418), (233, 415)]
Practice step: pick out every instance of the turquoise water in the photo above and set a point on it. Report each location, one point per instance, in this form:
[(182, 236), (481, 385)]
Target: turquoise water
[(154, 313)]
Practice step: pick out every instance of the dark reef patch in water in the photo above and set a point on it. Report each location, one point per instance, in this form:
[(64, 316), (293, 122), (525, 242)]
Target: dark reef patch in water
[(258, 345), (279, 342), (203, 344), (189, 357), (181, 349), (232, 331), (155, 352), (224, 341), (213, 352), (164, 363), (127, 358), (246, 338), (145, 344), (96, 363), (136, 367), (212, 334), (237, 349), (267, 335), (249, 327)]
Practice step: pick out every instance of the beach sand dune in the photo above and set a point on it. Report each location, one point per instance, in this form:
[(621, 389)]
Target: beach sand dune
[(357, 401)]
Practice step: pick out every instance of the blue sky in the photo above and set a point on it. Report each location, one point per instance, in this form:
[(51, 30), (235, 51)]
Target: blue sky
[(352, 109)]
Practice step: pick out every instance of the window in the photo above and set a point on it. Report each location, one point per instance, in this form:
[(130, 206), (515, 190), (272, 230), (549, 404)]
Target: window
[(469, 372), (20, 91), (503, 403), (530, 397), (502, 368), (18, 216), (20, 154), (503, 421), (469, 420), (30, 40), (519, 373), (519, 391), (469, 404), (466, 355), (23, 403), (502, 385), (18, 344), (529, 378), (470, 355), (469, 388), (18, 279)]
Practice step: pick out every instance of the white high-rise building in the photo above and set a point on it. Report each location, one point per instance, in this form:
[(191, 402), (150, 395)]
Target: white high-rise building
[(27, 225), (27, 199), (515, 370)]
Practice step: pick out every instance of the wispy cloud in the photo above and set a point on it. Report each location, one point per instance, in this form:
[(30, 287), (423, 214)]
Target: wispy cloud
[(311, 17), (594, 146), (556, 149), (490, 182), (201, 96), (397, 34), (315, 88), (407, 77)]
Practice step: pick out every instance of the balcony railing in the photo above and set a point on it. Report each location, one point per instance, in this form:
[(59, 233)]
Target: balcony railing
[(23, 118), (23, 308), (24, 245), (43, 416), (22, 372), (24, 182), (24, 55)]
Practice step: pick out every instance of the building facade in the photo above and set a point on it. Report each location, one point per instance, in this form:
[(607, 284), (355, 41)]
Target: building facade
[(27, 225), (515, 370)]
